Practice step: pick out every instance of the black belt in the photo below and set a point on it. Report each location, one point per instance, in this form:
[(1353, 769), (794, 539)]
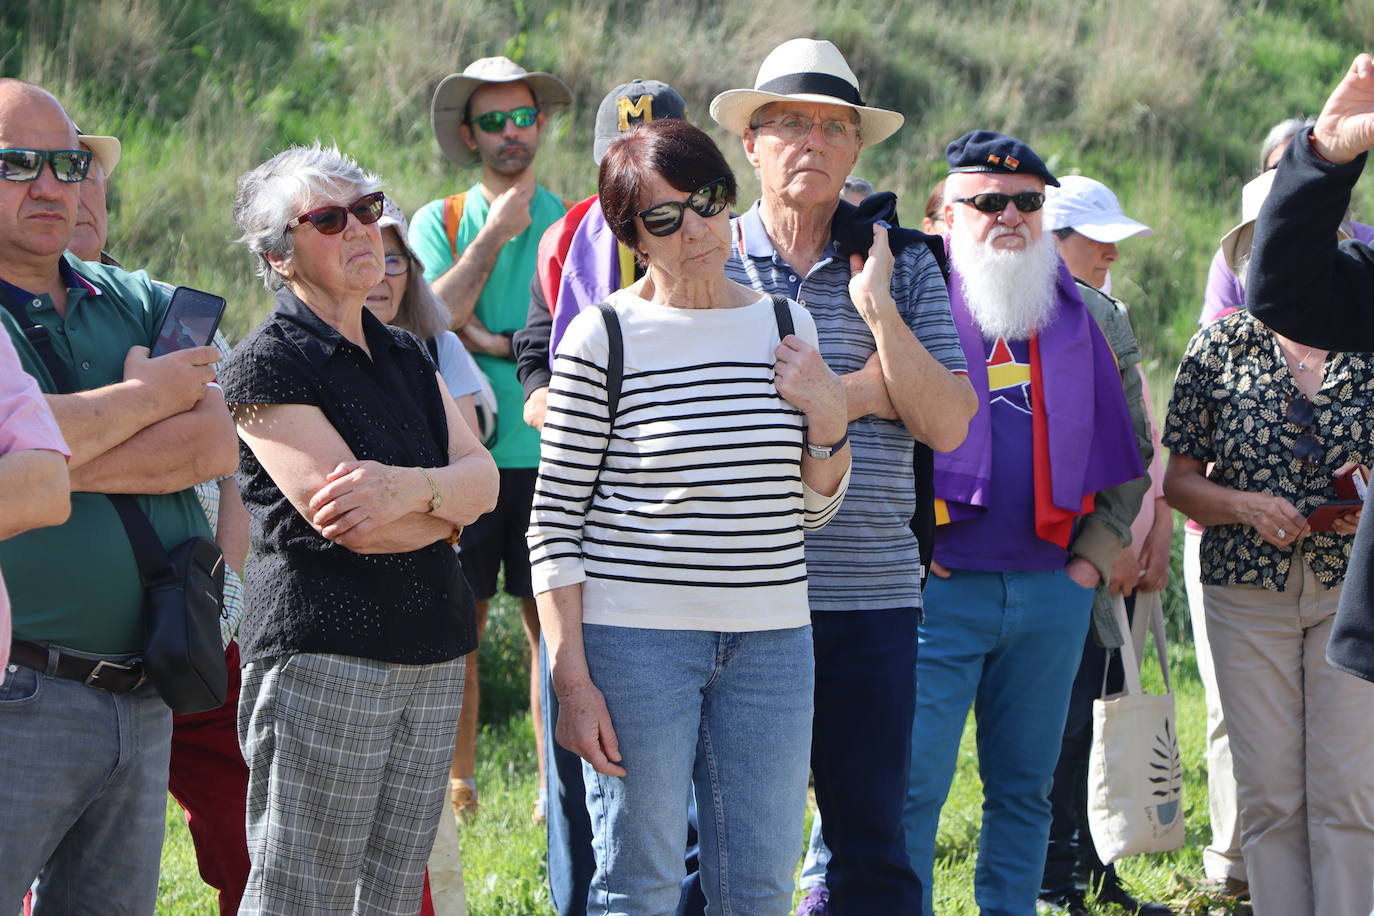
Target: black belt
[(116, 677)]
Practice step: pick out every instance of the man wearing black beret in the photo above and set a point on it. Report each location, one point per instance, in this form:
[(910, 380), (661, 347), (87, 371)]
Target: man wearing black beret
[(1035, 505)]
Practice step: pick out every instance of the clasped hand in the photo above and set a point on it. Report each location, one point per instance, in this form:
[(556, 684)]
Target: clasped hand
[(359, 497), (807, 383)]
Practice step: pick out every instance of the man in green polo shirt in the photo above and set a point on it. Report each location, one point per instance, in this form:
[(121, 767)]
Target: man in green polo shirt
[(479, 250), (83, 741)]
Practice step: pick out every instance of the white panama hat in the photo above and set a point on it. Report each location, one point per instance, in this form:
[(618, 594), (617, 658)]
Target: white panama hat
[(804, 70), (106, 150)]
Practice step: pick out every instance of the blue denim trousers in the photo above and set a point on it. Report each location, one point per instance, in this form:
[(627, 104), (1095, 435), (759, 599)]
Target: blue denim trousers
[(83, 795), (570, 862), (726, 714), (1007, 644)]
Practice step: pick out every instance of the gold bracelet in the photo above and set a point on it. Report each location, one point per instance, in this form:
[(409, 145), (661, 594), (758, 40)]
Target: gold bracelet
[(435, 498)]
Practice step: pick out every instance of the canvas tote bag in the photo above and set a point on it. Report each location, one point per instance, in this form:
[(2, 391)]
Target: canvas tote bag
[(1135, 777)]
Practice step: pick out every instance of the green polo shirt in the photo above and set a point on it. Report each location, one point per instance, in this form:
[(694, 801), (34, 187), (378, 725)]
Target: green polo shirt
[(502, 306), (76, 584)]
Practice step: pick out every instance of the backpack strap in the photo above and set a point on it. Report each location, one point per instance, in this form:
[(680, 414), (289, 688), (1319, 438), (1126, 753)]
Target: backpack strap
[(782, 313), (453, 217), (615, 360)]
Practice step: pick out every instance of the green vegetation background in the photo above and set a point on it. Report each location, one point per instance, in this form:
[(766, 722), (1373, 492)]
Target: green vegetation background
[(1164, 100)]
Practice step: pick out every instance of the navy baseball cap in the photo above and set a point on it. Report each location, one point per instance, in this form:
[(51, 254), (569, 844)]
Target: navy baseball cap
[(989, 151), (636, 102)]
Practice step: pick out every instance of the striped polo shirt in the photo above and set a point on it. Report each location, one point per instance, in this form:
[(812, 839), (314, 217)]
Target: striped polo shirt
[(695, 521), (866, 559)]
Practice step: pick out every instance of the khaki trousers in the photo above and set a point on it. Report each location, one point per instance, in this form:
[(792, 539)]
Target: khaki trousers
[(1222, 857), (1302, 742)]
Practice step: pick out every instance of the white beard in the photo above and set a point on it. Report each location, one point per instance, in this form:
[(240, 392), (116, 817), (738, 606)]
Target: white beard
[(1009, 293)]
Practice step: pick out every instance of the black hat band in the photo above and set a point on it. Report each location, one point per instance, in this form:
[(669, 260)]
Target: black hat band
[(813, 84)]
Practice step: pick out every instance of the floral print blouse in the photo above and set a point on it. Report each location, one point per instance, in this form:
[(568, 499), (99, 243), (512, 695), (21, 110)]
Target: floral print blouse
[(1228, 408)]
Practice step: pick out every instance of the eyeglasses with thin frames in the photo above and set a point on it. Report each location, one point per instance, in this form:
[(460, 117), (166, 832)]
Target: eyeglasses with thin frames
[(837, 132), (397, 264)]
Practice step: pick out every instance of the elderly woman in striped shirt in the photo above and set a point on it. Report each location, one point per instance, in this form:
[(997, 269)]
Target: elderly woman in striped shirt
[(693, 434)]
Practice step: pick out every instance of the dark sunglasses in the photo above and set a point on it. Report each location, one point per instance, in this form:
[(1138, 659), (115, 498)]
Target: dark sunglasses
[(1302, 413), (666, 218), (493, 121), (69, 165), (992, 202), (332, 219)]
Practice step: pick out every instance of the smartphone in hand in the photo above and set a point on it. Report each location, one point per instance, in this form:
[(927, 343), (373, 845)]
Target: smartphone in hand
[(190, 321)]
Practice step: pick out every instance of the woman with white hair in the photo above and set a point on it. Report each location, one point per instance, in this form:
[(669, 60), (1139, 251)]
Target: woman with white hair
[(358, 472)]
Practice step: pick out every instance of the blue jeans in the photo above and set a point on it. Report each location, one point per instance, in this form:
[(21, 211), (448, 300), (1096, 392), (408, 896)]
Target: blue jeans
[(569, 830), (83, 795), (726, 714), (1008, 644)]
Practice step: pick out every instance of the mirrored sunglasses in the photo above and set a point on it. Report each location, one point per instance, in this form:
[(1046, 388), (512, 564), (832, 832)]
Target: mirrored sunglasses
[(68, 165), (493, 121), (992, 202), (666, 218), (332, 219)]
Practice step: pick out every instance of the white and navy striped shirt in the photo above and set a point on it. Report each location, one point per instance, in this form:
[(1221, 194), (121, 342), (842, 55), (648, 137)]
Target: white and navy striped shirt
[(696, 519)]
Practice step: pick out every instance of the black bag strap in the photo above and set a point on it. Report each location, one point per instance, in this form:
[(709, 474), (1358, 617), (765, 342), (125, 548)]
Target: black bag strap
[(41, 341), (432, 344), (782, 313), (154, 565), (615, 361)]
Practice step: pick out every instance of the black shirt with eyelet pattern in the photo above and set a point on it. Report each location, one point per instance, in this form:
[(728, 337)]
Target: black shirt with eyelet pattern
[(304, 592)]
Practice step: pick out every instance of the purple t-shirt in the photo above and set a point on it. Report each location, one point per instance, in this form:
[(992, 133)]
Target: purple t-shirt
[(1002, 538)]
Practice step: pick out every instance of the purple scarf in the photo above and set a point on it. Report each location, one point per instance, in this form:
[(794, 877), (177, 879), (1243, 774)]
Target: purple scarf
[(591, 272), (1092, 444)]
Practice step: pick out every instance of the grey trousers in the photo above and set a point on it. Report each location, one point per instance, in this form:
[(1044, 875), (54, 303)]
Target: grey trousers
[(348, 759)]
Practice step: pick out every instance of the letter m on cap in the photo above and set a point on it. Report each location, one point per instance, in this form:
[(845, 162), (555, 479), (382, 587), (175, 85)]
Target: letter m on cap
[(641, 109)]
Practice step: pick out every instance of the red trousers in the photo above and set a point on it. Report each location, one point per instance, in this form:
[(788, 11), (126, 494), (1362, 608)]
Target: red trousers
[(210, 780)]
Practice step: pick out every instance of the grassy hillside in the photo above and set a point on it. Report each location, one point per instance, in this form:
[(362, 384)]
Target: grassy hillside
[(1164, 100)]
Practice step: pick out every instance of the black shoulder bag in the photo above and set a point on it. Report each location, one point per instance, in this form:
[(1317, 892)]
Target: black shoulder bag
[(183, 591)]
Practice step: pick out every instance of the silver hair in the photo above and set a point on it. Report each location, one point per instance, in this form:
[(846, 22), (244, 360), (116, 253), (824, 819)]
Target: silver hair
[(859, 185), (276, 192), (1280, 134)]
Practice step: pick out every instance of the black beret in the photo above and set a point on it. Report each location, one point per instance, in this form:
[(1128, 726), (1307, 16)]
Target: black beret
[(989, 151)]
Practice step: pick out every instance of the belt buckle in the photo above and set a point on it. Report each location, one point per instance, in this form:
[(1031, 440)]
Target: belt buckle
[(104, 667)]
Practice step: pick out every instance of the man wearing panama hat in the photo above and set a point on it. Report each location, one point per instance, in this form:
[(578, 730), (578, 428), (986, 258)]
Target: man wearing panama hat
[(885, 327), (479, 249)]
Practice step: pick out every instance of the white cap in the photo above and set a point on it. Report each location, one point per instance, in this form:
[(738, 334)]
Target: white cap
[(1089, 208)]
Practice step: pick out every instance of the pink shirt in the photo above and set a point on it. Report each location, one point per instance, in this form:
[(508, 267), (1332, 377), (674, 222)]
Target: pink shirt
[(25, 423), (1145, 519)]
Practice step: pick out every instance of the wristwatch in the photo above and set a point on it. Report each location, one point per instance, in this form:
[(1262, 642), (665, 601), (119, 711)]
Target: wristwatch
[(435, 498), (822, 452)]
